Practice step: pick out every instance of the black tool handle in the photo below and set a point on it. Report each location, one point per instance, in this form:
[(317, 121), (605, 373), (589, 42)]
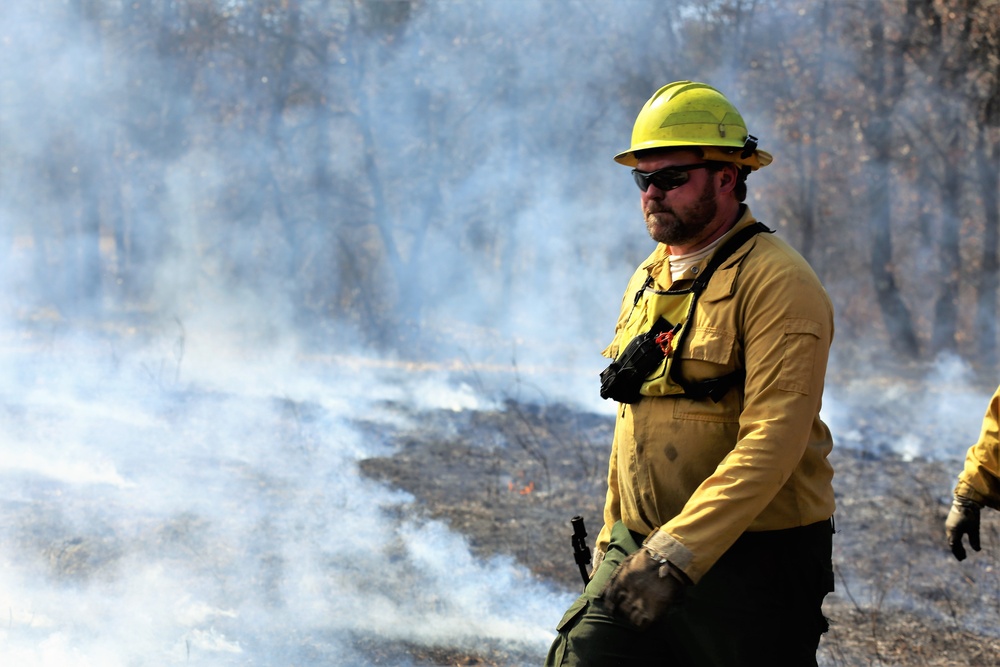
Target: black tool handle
[(581, 552)]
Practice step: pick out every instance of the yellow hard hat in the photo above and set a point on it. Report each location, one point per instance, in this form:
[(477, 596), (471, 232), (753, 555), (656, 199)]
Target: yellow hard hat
[(686, 113)]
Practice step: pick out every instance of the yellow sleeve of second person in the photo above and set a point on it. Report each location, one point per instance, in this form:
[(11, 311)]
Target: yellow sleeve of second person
[(980, 478)]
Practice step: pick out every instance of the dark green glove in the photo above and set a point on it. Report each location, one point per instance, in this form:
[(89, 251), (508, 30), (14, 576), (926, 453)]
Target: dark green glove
[(963, 519), (642, 589)]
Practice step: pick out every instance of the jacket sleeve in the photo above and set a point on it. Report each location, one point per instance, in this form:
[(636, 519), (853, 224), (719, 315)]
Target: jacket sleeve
[(980, 478), (787, 322)]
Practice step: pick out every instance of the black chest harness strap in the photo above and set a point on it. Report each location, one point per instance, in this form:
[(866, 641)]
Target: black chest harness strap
[(623, 378)]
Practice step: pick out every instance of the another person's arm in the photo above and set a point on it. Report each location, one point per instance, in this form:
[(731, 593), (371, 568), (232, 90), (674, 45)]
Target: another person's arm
[(978, 484)]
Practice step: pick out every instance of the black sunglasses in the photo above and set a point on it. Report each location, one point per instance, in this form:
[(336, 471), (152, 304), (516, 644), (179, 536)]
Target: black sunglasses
[(667, 178)]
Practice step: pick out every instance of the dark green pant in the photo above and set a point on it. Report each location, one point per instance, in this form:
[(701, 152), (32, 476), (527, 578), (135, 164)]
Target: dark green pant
[(760, 604)]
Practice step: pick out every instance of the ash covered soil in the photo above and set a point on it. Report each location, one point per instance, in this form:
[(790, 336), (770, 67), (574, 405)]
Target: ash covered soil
[(511, 478)]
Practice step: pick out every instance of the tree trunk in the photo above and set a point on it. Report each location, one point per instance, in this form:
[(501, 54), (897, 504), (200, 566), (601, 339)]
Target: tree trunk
[(987, 281), (946, 307), (90, 180), (896, 315)]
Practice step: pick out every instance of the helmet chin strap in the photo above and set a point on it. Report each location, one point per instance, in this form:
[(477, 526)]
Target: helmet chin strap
[(749, 146)]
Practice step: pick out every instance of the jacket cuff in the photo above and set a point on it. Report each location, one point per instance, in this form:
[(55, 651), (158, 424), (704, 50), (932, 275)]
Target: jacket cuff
[(966, 490), (667, 547), (596, 561)]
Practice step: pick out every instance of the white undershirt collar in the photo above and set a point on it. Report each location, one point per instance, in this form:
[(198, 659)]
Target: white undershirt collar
[(684, 267)]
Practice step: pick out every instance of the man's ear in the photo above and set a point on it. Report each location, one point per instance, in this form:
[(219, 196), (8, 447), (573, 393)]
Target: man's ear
[(728, 178)]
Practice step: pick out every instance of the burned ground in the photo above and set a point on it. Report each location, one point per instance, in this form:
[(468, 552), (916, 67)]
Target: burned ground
[(510, 480)]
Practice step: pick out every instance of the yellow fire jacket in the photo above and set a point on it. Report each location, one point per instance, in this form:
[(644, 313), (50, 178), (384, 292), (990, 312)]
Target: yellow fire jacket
[(980, 478), (695, 474)]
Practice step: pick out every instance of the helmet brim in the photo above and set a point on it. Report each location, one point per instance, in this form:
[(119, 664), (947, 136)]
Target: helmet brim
[(755, 160)]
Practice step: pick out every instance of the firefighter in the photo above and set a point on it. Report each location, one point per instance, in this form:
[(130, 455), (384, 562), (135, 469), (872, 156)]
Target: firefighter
[(978, 483), (717, 536)]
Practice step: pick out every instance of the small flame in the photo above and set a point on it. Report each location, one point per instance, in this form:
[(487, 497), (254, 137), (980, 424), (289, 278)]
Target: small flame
[(523, 490)]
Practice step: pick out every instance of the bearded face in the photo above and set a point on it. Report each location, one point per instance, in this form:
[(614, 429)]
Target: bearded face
[(678, 222)]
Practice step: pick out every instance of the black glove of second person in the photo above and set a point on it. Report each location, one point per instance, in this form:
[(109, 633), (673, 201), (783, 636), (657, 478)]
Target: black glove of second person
[(963, 519)]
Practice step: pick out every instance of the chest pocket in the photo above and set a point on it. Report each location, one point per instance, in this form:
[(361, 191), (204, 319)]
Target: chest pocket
[(711, 345), (711, 352), (712, 339)]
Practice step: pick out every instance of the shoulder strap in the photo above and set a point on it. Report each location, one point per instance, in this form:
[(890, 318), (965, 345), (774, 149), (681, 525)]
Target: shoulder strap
[(714, 388), (726, 251)]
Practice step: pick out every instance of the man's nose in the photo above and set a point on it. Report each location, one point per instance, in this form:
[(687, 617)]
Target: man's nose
[(653, 192)]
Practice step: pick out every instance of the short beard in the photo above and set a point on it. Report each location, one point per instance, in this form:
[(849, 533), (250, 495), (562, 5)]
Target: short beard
[(671, 227)]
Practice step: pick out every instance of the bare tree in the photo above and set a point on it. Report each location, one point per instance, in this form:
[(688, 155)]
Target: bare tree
[(986, 61), (884, 80)]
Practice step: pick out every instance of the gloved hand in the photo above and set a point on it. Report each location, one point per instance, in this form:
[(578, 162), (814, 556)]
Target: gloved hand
[(963, 519), (642, 589)]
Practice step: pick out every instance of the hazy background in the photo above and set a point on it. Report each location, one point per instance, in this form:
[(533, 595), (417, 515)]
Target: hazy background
[(231, 230)]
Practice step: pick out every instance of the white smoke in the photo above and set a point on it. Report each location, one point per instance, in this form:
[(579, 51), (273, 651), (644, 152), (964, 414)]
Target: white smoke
[(933, 412), (227, 523)]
